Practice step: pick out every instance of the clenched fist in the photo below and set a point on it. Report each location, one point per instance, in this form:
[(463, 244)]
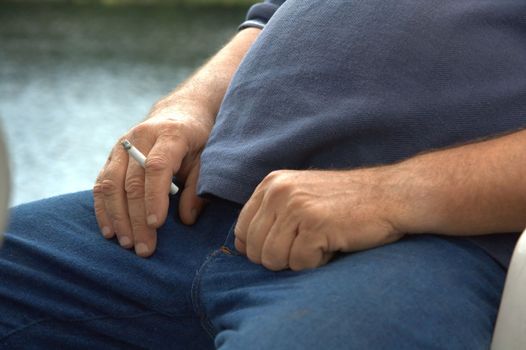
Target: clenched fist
[(300, 219)]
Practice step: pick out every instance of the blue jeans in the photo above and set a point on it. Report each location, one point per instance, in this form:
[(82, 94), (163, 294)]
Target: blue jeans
[(62, 285)]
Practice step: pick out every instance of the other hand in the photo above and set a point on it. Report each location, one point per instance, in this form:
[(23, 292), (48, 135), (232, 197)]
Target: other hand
[(300, 219)]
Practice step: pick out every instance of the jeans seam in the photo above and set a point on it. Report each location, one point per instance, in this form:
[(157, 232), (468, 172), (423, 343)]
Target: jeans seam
[(73, 320), (195, 293)]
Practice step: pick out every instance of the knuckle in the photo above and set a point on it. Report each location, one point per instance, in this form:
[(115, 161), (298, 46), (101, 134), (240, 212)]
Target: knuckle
[(281, 187), (110, 187), (151, 197), (293, 204), (134, 187), (277, 173), (273, 176), (97, 189), (155, 198), (156, 164), (98, 207), (138, 224), (281, 173), (301, 208), (118, 217), (138, 130), (171, 127), (168, 129)]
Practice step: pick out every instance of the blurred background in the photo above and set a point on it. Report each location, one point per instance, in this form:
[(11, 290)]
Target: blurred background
[(75, 75)]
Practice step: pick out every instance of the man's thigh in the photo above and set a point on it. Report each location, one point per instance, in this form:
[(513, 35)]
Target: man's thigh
[(63, 285), (423, 292)]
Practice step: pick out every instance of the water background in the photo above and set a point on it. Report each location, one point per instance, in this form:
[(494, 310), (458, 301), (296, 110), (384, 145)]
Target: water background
[(74, 78)]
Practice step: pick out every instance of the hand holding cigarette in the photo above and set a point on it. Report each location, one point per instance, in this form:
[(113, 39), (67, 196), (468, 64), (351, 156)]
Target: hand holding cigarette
[(141, 159), (130, 196)]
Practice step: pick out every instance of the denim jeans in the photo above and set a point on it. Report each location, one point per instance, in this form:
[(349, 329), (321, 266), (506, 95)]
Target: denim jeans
[(62, 285)]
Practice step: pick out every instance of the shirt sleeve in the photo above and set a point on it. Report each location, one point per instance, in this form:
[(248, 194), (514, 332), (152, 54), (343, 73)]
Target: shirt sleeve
[(259, 14)]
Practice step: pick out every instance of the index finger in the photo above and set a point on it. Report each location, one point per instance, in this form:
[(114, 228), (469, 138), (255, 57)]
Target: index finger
[(163, 161), (247, 215)]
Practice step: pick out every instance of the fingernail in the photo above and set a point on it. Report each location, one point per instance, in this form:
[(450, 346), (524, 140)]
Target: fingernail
[(106, 232), (141, 249), (151, 220), (193, 212), (125, 241)]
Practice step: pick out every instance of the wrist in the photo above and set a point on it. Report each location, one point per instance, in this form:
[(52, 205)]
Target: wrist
[(391, 193), (377, 191), (176, 104), (183, 110), (414, 197)]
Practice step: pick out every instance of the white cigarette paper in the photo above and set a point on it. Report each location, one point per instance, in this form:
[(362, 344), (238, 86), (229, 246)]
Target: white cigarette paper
[(140, 158)]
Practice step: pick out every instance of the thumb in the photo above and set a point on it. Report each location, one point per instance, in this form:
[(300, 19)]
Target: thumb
[(190, 205)]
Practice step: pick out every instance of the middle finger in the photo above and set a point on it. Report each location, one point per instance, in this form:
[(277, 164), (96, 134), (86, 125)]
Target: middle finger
[(144, 237)]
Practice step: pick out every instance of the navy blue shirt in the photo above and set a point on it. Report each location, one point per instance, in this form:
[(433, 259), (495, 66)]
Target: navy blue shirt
[(344, 84)]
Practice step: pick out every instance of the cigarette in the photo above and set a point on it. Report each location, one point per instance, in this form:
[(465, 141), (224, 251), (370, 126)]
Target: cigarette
[(140, 158)]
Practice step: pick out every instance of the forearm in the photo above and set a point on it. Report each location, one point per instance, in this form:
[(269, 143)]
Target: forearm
[(202, 93), (472, 189)]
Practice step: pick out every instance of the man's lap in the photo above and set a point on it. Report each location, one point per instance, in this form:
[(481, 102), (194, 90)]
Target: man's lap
[(423, 292), (63, 283), (58, 272)]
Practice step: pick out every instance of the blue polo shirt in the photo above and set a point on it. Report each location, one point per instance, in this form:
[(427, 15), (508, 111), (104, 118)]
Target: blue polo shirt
[(344, 84)]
